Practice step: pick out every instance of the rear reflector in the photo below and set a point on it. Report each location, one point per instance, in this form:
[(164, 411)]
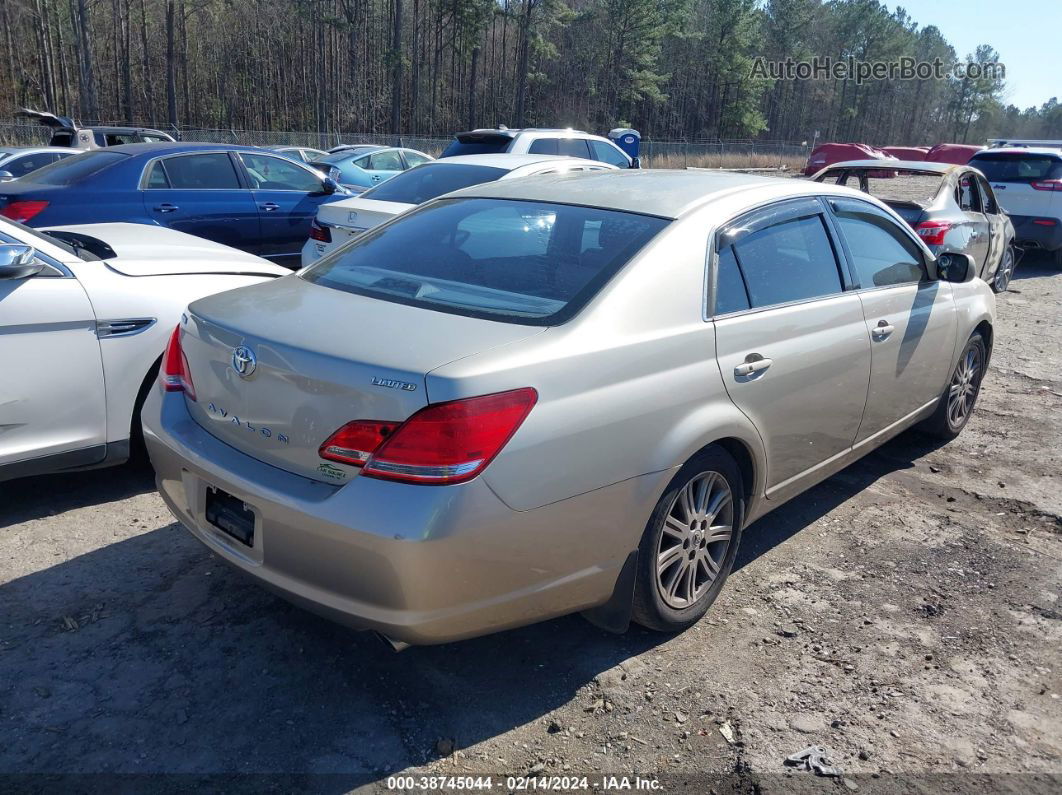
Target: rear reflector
[(440, 444), (175, 375), (23, 211), (1045, 221), (932, 232), (321, 233), (1047, 184)]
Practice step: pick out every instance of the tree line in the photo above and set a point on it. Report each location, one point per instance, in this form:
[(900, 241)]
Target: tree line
[(675, 69)]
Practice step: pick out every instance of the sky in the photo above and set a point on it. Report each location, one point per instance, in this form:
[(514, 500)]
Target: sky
[(1024, 32)]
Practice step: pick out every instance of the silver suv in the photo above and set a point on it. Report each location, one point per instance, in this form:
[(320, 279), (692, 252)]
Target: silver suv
[(535, 141), (556, 394)]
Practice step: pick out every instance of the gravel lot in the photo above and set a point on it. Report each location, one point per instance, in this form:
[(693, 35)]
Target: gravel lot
[(904, 615)]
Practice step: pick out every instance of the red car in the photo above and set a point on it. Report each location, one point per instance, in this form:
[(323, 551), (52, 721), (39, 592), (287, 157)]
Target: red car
[(827, 154), (908, 153), (959, 154)]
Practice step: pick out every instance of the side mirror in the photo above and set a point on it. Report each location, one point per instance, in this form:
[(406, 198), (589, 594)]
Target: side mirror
[(6, 176), (953, 267), (18, 261), (329, 185)]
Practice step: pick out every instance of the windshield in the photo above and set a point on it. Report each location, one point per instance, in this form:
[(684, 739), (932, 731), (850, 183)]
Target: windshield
[(1018, 166), (525, 262), (24, 231), (418, 185), (76, 168)]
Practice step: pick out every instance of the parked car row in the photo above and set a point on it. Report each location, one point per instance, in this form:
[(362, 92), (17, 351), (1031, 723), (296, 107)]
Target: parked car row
[(523, 385)]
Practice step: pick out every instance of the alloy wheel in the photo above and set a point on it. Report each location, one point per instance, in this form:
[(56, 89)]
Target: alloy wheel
[(963, 390), (1006, 270), (696, 534)]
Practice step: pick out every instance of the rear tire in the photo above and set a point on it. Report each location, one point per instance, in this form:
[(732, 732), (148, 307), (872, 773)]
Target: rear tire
[(1057, 257), (690, 543), (1005, 272), (960, 395)]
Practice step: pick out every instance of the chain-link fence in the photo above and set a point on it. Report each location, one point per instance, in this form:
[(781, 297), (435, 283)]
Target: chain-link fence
[(654, 154)]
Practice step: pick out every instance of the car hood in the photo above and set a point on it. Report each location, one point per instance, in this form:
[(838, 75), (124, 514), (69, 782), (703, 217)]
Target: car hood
[(142, 250)]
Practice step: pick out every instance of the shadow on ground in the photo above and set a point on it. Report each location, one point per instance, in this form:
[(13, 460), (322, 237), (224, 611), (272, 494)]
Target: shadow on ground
[(149, 655)]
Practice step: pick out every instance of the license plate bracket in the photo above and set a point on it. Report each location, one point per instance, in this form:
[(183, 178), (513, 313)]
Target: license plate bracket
[(230, 515)]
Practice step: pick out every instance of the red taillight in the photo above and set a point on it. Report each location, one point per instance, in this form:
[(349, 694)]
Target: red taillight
[(175, 375), (23, 211), (442, 443), (318, 232), (355, 441), (1045, 221), (932, 232), (1047, 184)]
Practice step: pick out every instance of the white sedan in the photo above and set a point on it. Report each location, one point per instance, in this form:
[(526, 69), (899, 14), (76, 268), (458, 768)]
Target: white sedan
[(85, 314), (339, 221)]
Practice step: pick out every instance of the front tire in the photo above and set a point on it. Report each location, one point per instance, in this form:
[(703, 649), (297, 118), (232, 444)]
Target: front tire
[(690, 543), (957, 403), (1005, 272)]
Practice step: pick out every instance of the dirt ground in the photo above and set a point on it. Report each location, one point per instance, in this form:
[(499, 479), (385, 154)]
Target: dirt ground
[(904, 615)]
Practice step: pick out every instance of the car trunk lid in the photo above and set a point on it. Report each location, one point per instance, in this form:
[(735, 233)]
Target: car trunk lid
[(321, 358), (353, 216)]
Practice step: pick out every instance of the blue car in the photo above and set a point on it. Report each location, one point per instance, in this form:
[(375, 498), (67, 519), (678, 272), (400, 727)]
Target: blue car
[(242, 196), (359, 168)]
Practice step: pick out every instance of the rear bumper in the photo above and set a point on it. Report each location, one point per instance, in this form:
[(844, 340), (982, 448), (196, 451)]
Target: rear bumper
[(419, 564), (1029, 234)]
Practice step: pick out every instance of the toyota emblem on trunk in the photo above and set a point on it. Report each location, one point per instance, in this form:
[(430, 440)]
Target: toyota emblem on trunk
[(243, 361)]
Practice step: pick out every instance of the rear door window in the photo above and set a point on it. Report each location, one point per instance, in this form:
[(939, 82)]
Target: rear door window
[(415, 158), (208, 171), (730, 292), (792, 260), (966, 194), (543, 146)]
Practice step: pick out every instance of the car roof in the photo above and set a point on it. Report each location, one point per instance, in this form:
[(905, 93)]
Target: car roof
[(661, 192), (505, 160), (1022, 150), (891, 165), (174, 147)]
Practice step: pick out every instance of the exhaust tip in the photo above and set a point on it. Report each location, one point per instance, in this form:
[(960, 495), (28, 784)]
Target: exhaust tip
[(392, 644)]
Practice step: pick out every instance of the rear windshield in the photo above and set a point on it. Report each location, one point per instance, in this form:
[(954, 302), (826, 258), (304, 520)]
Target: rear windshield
[(418, 185), (1018, 166), (524, 262), (889, 185), (489, 145), (76, 168)]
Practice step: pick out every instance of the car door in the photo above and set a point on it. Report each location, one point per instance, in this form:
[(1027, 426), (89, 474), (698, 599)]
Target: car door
[(201, 193), (287, 195), (997, 228), (975, 224), (384, 165), (791, 342), (910, 320), (52, 398)]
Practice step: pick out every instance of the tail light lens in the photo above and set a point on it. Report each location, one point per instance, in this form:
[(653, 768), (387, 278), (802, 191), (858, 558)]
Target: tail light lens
[(318, 232), (354, 442), (440, 444), (1047, 184), (932, 232), (1045, 221), (23, 211), (175, 375)]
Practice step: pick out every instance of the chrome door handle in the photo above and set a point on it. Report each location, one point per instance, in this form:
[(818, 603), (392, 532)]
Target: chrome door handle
[(269, 206), (166, 208), (883, 329), (753, 365)]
